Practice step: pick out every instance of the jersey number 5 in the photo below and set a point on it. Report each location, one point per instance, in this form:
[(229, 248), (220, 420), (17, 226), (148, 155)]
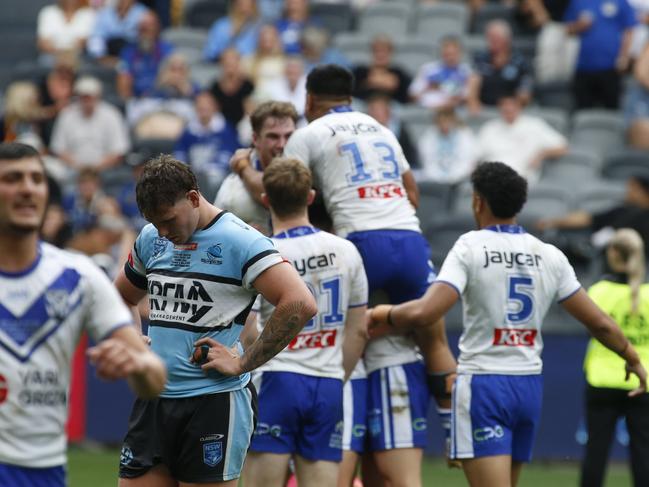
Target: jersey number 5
[(520, 300)]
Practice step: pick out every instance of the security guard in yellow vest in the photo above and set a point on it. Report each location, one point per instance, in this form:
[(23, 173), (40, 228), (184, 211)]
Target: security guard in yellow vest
[(625, 297)]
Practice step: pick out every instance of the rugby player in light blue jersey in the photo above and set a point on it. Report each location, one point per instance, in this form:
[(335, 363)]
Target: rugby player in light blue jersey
[(202, 269)]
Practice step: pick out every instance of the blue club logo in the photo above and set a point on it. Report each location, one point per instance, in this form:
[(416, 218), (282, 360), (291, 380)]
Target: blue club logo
[(212, 453), (159, 245), (214, 255)]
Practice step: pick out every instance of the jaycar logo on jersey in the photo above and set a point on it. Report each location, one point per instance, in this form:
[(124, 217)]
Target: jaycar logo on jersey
[(514, 338), (320, 339), (381, 191)]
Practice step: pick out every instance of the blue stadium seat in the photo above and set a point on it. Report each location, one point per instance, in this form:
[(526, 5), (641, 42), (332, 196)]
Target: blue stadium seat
[(601, 131), (626, 163), (576, 166)]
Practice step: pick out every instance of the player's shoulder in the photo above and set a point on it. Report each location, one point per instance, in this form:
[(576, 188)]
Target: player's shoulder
[(229, 227), (68, 259)]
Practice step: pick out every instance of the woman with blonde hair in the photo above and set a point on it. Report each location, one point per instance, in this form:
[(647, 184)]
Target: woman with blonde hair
[(22, 111), (625, 296)]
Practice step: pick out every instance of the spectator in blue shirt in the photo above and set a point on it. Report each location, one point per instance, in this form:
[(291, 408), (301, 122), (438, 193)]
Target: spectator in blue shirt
[(208, 143), (604, 28), (292, 23), (239, 29), (141, 61), (115, 26)]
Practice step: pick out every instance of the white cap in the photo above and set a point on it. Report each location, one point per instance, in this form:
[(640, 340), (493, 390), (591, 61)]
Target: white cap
[(87, 85)]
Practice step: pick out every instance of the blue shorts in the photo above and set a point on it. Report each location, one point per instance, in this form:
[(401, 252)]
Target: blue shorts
[(355, 415), (16, 476), (396, 261), (300, 414), (398, 402), (495, 415)]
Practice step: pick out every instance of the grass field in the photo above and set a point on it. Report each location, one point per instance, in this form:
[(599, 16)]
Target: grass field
[(99, 469)]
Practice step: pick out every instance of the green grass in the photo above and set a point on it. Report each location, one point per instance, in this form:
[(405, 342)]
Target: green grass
[(98, 468)]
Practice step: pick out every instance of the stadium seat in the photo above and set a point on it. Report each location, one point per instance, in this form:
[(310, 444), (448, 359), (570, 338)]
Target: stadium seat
[(545, 200), (489, 12), (204, 73), (412, 52), (598, 195), (473, 44), (203, 13), (192, 55), (601, 131), (28, 71), (417, 129), (557, 118), (440, 19), (338, 17), (555, 94), (443, 234), (626, 163), (477, 121), (18, 44), (355, 46), (576, 166), (385, 18), (22, 14), (411, 113), (434, 203), (105, 74), (186, 37)]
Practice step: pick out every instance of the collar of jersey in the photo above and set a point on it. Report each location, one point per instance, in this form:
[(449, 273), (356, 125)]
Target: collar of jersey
[(297, 232), (27, 270), (506, 228), (341, 109)]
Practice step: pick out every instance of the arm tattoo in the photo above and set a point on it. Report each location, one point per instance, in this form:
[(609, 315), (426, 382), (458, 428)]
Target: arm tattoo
[(286, 321)]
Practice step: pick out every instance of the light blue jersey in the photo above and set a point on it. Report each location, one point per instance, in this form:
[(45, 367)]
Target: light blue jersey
[(202, 288)]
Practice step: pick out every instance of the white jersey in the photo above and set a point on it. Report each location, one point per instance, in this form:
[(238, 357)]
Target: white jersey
[(507, 279), (333, 270), (234, 197), (358, 165), (43, 311)]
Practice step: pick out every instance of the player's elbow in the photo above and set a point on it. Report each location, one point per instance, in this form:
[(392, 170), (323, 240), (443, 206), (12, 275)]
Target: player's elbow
[(310, 306)]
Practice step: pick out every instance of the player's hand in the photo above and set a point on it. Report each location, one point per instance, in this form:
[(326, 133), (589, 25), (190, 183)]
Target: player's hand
[(377, 321), (638, 370), (224, 360), (114, 359), (146, 340), (239, 160)]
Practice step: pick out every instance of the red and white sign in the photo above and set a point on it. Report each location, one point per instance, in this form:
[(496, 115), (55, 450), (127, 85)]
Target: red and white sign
[(4, 389), (382, 191), (514, 338), (320, 339)]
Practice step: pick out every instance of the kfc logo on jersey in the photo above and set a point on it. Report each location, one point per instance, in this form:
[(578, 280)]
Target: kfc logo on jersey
[(381, 191), (320, 339), (514, 338), (4, 389)]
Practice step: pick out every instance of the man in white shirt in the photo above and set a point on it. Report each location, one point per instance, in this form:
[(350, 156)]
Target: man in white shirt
[(507, 280), (521, 141)]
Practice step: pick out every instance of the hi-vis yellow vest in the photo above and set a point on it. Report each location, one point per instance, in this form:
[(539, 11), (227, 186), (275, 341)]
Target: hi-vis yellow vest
[(603, 367)]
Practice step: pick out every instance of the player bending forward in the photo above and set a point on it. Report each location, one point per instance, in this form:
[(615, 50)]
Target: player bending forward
[(507, 280)]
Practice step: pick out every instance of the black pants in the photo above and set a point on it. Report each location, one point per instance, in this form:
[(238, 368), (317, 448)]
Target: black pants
[(598, 89), (603, 408)]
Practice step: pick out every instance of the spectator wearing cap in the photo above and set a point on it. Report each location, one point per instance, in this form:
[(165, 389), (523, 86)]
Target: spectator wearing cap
[(633, 213), (90, 132), (115, 26), (140, 61)]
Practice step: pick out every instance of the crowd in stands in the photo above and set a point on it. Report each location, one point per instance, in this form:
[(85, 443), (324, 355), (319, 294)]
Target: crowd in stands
[(551, 87)]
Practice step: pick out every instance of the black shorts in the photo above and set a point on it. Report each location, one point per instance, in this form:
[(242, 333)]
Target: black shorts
[(200, 439)]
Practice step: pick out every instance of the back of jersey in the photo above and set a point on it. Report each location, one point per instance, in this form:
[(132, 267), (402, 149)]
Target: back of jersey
[(358, 165), (333, 270), (507, 280)]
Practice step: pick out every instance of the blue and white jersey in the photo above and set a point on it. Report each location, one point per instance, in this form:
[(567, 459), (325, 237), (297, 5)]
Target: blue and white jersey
[(43, 311), (507, 279), (333, 270), (358, 165), (202, 288)]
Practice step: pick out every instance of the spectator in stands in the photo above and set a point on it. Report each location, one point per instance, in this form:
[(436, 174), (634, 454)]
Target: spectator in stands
[(268, 62), (55, 93), (448, 151), (116, 25), (636, 103), (290, 88), (443, 83), (381, 76), (90, 132), (316, 49), (379, 107), (624, 295), (520, 141), (140, 61), (499, 71), (633, 213), (174, 79), (605, 30), (64, 26), (207, 143), (292, 24), (239, 30), (22, 111), (233, 89)]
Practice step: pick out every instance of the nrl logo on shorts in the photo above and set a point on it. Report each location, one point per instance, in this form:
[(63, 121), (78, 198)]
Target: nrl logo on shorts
[(212, 453), (56, 303), (159, 245), (214, 255)]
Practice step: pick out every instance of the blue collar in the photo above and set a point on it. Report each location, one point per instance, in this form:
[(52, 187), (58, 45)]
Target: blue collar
[(341, 109), (297, 232), (505, 228)]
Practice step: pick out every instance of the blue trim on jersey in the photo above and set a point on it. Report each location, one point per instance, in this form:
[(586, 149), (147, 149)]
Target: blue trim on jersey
[(256, 163), (505, 228), (356, 305), (297, 232), (341, 109), (29, 268), (450, 285), (569, 295), (115, 328)]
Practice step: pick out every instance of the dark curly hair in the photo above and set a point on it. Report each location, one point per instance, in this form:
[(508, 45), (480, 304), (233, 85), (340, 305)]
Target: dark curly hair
[(330, 81), (164, 181), (504, 189)]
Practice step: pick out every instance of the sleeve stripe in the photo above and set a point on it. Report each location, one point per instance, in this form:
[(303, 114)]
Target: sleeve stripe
[(255, 259), (357, 305), (136, 279), (115, 328), (561, 300), (450, 284)]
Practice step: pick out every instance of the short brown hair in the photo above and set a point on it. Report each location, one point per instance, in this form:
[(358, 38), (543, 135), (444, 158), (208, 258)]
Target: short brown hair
[(287, 183), (275, 109), (164, 181)]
